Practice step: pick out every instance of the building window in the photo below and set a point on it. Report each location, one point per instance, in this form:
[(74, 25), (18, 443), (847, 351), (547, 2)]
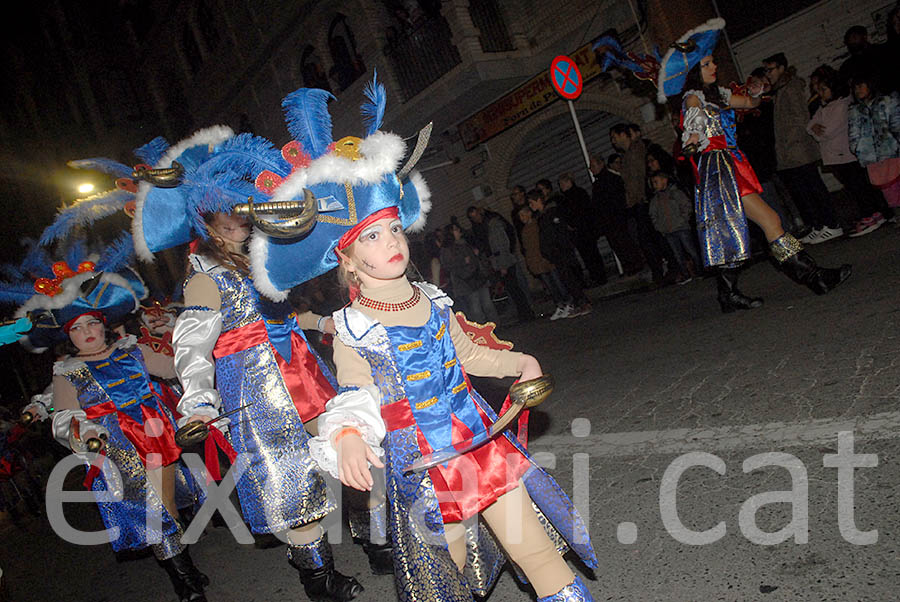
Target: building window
[(488, 19), (418, 45), (348, 65), (312, 71)]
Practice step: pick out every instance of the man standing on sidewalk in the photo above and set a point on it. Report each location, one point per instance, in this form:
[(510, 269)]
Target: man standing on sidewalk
[(797, 152)]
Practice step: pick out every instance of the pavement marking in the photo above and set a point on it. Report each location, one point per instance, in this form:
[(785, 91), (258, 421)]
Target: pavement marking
[(884, 425)]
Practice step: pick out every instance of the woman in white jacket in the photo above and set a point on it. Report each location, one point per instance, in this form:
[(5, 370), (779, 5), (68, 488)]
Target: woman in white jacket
[(829, 127)]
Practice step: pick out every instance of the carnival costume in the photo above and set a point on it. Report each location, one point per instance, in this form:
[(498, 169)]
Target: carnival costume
[(410, 394), (115, 400), (724, 176), (251, 356)]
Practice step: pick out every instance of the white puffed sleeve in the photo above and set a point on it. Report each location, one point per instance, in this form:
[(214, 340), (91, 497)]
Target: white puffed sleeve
[(41, 404), (357, 408), (64, 433), (195, 335), (695, 120)]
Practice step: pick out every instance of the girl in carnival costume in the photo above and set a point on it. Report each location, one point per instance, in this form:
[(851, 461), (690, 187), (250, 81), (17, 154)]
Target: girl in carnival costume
[(402, 360), (107, 412), (727, 192), (236, 351)]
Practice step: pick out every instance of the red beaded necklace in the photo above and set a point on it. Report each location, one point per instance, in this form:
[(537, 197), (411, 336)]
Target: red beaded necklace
[(382, 306)]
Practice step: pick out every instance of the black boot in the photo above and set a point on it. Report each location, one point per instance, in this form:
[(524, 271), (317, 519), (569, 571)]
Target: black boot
[(187, 580), (321, 582), (368, 525), (802, 269), (730, 298)]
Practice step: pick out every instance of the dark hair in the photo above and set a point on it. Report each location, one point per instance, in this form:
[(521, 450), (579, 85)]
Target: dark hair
[(778, 58), (658, 174), (694, 81), (519, 187), (829, 77), (633, 128), (471, 209), (613, 157), (534, 194), (544, 183), (759, 72), (857, 30), (67, 347), (865, 76), (892, 34), (619, 128)]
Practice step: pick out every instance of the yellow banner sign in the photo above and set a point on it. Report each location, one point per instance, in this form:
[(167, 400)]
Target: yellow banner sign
[(521, 103)]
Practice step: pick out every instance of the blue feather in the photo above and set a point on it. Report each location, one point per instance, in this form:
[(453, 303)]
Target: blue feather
[(11, 272), (308, 119), (10, 333), (85, 212), (153, 151), (117, 255), (120, 170), (373, 111), (16, 293), (36, 261), (76, 253)]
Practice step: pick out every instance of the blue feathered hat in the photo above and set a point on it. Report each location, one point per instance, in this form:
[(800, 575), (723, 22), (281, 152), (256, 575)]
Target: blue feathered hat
[(170, 216), (684, 54), (81, 284), (350, 178)]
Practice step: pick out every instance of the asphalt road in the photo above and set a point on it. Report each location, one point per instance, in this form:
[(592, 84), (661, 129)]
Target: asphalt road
[(647, 384)]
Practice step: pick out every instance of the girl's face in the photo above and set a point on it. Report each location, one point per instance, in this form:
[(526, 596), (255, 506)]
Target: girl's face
[(88, 334), (232, 228), (708, 69), (652, 163), (861, 91), (380, 254), (824, 92)]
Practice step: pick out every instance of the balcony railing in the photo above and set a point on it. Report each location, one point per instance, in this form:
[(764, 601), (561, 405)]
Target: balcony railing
[(421, 55), (488, 19)]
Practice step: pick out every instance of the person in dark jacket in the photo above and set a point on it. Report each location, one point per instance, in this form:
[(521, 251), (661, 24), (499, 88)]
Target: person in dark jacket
[(609, 204), (556, 245), (580, 213)]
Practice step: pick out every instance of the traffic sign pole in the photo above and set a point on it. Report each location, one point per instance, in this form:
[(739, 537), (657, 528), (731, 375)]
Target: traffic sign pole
[(584, 150)]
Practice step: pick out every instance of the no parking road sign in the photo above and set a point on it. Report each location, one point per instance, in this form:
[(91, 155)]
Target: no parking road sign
[(565, 77)]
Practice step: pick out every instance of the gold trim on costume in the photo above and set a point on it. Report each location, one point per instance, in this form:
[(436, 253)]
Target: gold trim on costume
[(784, 247), (409, 346), (458, 388), (440, 333), (351, 206), (450, 363), (419, 375), (421, 405)]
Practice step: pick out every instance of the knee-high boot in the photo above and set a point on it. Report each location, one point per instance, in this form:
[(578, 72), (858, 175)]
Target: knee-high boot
[(730, 298), (368, 527), (576, 591), (802, 269), (186, 579), (321, 582)]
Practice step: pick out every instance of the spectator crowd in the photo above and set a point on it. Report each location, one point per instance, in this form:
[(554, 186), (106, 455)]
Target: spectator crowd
[(843, 120)]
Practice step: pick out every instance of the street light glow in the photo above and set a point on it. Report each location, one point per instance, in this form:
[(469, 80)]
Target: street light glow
[(85, 188)]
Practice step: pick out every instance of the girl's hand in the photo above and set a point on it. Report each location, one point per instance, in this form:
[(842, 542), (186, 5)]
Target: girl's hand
[(354, 456), (529, 368), (328, 326), (199, 418), (818, 129)]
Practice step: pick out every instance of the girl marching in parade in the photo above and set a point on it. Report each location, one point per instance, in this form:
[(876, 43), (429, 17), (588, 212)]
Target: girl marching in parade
[(728, 191), (238, 352), (108, 413), (402, 360)]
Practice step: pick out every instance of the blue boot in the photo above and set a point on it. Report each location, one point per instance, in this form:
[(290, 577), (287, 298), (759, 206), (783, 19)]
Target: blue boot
[(576, 591)]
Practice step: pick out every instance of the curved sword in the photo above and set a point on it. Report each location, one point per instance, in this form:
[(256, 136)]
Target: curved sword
[(522, 395)]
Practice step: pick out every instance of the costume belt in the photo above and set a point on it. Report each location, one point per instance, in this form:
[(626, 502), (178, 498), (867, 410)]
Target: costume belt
[(303, 378), (161, 444), (721, 143)]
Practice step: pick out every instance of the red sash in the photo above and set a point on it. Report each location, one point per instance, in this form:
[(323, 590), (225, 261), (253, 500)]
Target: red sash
[(304, 379)]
